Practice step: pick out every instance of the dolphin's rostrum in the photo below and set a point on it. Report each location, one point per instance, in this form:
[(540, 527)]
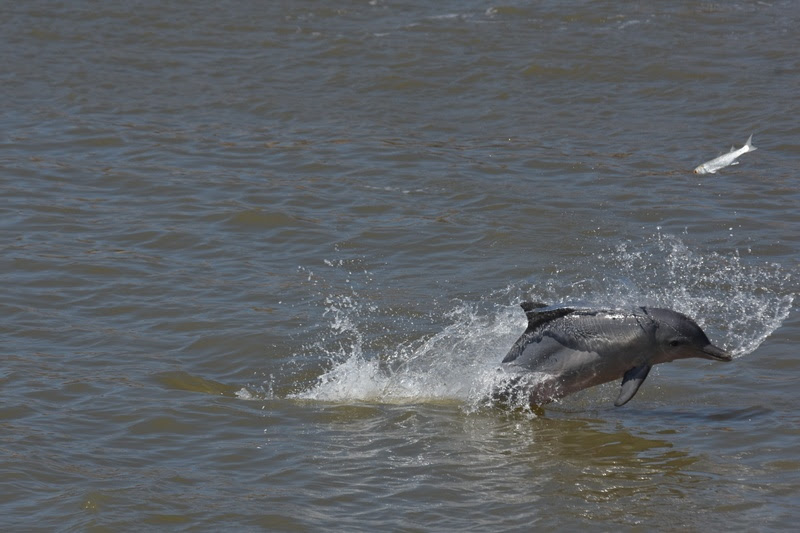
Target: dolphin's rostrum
[(577, 348)]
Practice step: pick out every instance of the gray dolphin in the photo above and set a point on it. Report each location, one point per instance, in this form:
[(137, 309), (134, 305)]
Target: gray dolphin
[(580, 348)]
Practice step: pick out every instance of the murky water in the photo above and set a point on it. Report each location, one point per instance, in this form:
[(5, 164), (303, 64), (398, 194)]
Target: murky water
[(261, 262)]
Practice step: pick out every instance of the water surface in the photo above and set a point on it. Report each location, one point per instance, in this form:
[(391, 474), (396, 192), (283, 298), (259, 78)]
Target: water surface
[(261, 261)]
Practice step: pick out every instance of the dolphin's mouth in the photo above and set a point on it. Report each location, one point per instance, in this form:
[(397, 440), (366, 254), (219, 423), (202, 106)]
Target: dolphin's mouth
[(717, 354)]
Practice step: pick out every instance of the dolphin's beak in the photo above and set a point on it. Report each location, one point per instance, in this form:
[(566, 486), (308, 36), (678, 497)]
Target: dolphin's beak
[(717, 354)]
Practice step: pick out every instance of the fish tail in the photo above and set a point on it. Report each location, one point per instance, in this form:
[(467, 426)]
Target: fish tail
[(749, 144)]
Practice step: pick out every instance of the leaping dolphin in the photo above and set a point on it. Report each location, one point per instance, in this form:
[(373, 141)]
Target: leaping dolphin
[(580, 348)]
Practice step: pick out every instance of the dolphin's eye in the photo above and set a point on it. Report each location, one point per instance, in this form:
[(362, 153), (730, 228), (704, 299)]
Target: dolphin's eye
[(674, 343)]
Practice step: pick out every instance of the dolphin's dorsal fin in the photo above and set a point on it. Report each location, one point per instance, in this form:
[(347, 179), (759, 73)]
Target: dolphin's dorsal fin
[(537, 314), (536, 317), (631, 382), (531, 306)]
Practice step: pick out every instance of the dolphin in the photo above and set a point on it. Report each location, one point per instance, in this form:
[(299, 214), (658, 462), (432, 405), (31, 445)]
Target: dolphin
[(578, 348)]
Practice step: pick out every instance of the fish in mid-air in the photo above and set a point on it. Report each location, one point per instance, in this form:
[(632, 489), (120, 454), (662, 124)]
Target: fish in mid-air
[(711, 167), (577, 348)]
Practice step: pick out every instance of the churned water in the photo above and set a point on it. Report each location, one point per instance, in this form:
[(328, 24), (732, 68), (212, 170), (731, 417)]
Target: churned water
[(261, 260)]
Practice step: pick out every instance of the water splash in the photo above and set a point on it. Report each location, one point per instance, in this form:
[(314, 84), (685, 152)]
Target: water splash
[(734, 298), (739, 303), (457, 364)]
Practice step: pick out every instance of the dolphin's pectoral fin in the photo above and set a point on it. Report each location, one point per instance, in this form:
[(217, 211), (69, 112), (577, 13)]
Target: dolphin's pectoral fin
[(631, 382)]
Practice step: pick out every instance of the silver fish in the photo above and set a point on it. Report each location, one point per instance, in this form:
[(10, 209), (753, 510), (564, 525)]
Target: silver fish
[(711, 167)]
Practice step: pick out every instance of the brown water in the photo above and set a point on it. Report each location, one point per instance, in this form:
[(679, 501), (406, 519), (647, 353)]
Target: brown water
[(260, 262)]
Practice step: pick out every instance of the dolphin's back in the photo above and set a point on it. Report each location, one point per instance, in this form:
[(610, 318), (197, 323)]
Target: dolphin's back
[(555, 336)]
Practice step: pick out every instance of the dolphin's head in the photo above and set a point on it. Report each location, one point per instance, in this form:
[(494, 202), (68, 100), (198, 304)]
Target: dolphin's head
[(679, 337)]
